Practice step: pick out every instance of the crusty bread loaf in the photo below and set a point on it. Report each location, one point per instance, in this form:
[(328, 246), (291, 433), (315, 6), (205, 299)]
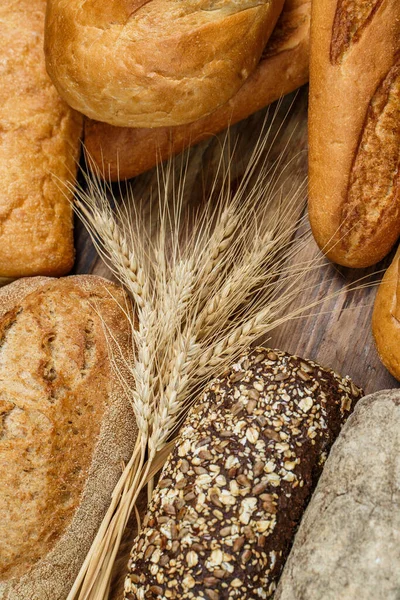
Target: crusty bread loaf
[(39, 147), (386, 318), (121, 153), (140, 63), (348, 545), (231, 494), (66, 427), (354, 128)]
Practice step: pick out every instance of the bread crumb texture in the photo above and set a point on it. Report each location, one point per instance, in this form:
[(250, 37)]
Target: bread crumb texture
[(56, 388), (351, 18), (230, 496), (374, 187)]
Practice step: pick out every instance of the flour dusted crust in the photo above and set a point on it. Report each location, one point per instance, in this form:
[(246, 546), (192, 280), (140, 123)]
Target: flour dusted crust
[(354, 132), (121, 152), (66, 427), (154, 63), (347, 546), (232, 492), (39, 149)]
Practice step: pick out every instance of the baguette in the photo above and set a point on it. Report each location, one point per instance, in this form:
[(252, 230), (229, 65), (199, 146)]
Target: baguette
[(354, 129), (121, 153), (347, 546), (386, 318), (154, 64), (231, 494), (66, 427), (39, 149)]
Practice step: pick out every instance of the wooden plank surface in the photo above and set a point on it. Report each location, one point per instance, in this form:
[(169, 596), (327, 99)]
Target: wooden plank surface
[(337, 333)]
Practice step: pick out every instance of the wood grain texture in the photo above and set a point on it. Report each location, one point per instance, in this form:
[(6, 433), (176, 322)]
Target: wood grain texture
[(338, 332)]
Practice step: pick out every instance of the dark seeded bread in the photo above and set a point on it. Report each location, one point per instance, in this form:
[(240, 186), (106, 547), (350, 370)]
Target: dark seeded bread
[(223, 516), (66, 426)]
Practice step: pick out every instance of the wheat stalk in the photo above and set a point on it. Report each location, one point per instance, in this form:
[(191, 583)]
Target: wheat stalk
[(201, 297)]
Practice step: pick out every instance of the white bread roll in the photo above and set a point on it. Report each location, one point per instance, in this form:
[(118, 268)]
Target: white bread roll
[(149, 64)]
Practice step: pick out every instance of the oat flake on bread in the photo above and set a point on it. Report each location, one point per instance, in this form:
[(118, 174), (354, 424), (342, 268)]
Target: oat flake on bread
[(231, 494)]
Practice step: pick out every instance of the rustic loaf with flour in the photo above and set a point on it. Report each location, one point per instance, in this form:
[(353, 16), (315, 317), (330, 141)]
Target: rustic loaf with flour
[(348, 543), (354, 129), (39, 149), (66, 426), (140, 63), (122, 152), (223, 515)]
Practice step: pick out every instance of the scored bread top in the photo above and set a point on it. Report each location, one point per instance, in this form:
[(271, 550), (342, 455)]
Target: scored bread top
[(57, 391), (139, 63)]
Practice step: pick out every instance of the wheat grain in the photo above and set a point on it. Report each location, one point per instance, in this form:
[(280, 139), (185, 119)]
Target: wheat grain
[(201, 294)]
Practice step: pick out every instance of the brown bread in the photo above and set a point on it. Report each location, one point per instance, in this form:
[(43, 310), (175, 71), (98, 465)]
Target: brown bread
[(354, 129), (121, 153), (224, 513), (39, 149), (66, 426)]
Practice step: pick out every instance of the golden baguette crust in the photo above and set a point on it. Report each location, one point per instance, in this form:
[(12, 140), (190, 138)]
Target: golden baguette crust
[(154, 63), (39, 147), (354, 129), (386, 318), (121, 153), (66, 427)]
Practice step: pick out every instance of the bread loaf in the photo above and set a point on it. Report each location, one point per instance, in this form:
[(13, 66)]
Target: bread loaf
[(348, 543), (66, 427), (354, 129), (121, 153), (231, 494), (39, 147), (386, 318), (137, 63)]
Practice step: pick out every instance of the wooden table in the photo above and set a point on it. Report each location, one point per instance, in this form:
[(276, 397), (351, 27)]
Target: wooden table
[(338, 332)]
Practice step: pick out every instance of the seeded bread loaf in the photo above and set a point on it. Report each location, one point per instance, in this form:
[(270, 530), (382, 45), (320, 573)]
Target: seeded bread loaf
[(141, 63), (66, 426), (39, 149), (223, 515), (386, 318), (348, 543), (354, 129), (121, 152)]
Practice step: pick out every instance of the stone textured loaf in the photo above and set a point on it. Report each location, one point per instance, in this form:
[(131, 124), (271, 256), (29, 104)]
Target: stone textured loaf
[(66, 426), (231, 494), (348, 543)]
